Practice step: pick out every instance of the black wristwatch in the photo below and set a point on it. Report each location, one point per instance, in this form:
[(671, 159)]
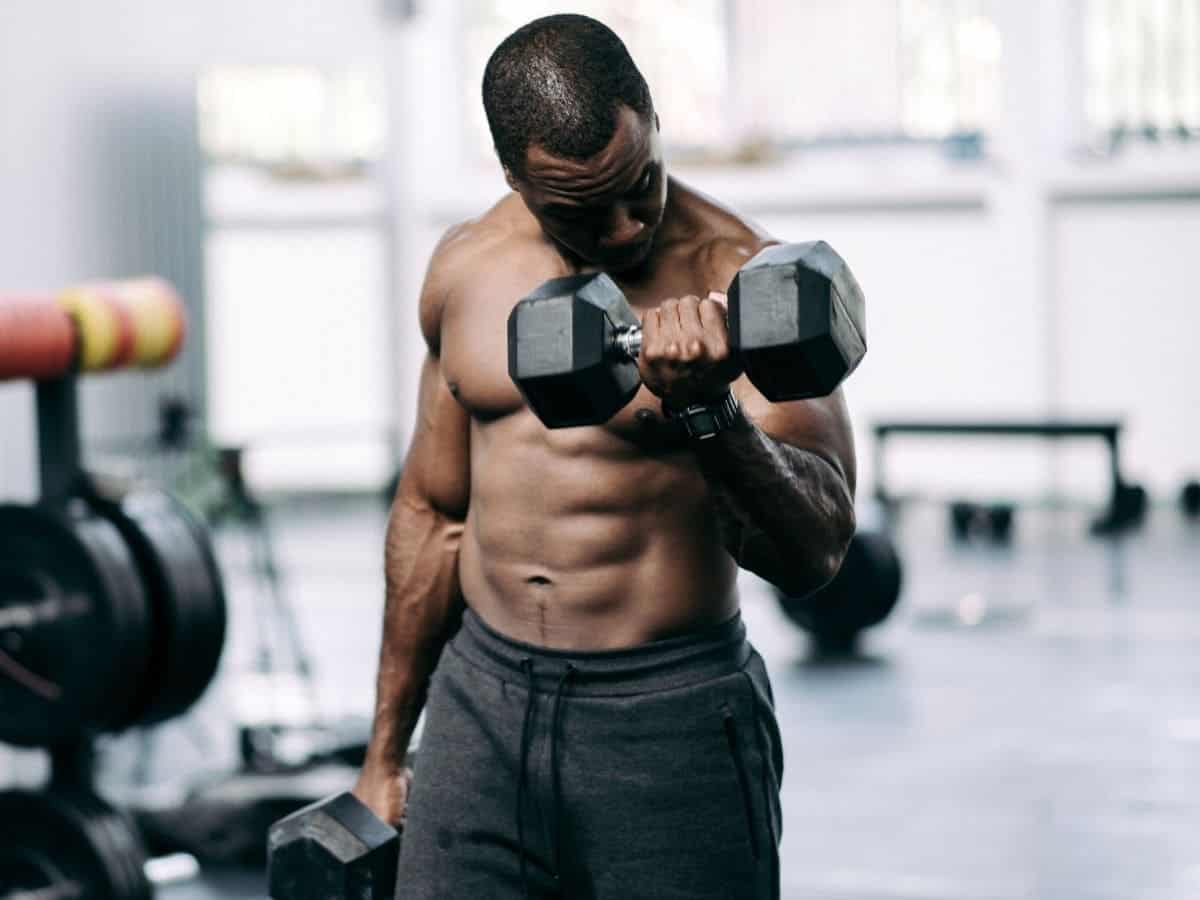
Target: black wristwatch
[(704, 420)]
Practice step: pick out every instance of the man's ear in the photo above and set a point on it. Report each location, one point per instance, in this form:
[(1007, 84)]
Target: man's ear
[(509, 178)]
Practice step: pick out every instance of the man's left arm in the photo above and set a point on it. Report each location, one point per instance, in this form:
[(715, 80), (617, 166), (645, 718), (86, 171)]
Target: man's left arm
[(783, 480)]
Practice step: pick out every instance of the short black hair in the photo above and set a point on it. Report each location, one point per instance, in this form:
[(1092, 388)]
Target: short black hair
[(558, 82)]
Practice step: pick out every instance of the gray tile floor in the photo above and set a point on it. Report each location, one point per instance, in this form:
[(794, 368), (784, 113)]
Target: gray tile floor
[(1026, 727)]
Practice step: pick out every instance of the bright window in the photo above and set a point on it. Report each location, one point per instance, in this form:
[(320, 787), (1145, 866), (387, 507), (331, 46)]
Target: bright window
[(1142, 69), (732, 74)]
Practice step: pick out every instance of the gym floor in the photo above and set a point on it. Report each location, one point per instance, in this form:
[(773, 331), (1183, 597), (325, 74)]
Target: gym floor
[(1027, 725)]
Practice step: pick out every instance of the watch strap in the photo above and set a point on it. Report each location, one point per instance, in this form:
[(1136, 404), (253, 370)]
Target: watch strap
[(702, 421)]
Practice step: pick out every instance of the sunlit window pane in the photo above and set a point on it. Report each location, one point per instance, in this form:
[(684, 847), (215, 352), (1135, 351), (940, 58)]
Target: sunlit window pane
[(949, 67), (1142, 68), (287, 115)]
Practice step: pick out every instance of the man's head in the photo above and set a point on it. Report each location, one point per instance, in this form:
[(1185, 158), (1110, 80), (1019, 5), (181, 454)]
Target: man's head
[(575, 130)]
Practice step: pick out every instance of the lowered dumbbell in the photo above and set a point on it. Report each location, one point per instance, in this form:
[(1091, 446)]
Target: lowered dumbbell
[(796, 322), (334, 848), (61, 844)]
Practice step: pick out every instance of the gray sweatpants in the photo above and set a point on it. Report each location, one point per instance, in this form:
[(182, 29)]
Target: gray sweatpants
[(648, 772)]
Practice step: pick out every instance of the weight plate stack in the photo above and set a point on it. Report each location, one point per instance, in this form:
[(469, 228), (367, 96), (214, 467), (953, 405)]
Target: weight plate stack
[(74, 626), (69, 844), (187, 600)]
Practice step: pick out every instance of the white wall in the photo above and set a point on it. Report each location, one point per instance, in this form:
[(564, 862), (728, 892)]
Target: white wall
[(81, 84)]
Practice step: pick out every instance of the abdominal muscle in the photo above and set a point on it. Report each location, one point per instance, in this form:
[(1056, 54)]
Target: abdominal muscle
[(582, 542)]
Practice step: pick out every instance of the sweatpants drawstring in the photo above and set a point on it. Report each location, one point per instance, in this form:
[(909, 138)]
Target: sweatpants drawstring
[(523, 772), (556, 780)]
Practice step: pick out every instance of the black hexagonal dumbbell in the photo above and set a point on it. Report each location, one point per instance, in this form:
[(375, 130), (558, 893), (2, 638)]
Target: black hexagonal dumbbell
[(796, 321), (334, 848)]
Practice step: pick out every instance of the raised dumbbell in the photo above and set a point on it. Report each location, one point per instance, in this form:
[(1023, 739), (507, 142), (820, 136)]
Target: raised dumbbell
[(334, 848), (61, 844), (796, 322)]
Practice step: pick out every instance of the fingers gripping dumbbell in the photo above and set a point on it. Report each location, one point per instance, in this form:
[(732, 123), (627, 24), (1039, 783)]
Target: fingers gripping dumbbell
[(796, 322)]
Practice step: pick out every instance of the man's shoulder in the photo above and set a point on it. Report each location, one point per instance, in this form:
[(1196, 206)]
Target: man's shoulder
[(503, 239), (486, 255), (724, 240)]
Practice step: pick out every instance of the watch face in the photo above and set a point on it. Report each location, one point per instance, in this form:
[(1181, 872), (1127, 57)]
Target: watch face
[(703, 423)]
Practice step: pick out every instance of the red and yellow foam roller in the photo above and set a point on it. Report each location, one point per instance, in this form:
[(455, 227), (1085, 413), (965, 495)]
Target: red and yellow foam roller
[(37, 338), (157, 317), (94, 327), (104, 325)]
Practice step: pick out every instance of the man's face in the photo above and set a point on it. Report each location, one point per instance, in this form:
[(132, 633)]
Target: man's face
[(605, 209)]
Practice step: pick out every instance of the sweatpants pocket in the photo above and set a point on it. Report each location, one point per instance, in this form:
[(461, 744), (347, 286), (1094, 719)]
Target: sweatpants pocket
[(733, 738)]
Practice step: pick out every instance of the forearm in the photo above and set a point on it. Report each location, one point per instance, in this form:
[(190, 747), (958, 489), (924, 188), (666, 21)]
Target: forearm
[(422, 608), (787, 513)]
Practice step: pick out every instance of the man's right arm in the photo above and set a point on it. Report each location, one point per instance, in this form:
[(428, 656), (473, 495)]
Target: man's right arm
[(424, 602)]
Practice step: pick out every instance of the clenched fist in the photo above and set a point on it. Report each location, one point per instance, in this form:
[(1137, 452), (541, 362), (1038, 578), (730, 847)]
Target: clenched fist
[(685, 356)]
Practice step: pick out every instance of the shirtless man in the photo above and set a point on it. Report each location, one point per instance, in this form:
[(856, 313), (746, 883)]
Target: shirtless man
[(563, 603)]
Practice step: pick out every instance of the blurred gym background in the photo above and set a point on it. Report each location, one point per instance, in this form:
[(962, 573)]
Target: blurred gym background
[(1016, 185)]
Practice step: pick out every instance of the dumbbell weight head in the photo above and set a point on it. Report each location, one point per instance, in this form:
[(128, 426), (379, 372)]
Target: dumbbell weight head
[(797, 320), (562, 352), (334, 848)]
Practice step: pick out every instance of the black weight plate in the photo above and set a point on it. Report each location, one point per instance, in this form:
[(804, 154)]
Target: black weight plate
[(863, 593), (74, 673), (72, 841), (187, 600)]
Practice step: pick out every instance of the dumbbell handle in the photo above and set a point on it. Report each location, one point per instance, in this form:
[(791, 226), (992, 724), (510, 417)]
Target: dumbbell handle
[(161, 871), (628, 341)]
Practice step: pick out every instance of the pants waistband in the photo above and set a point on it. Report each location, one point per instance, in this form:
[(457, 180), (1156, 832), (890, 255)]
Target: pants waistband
[(698, 656)]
